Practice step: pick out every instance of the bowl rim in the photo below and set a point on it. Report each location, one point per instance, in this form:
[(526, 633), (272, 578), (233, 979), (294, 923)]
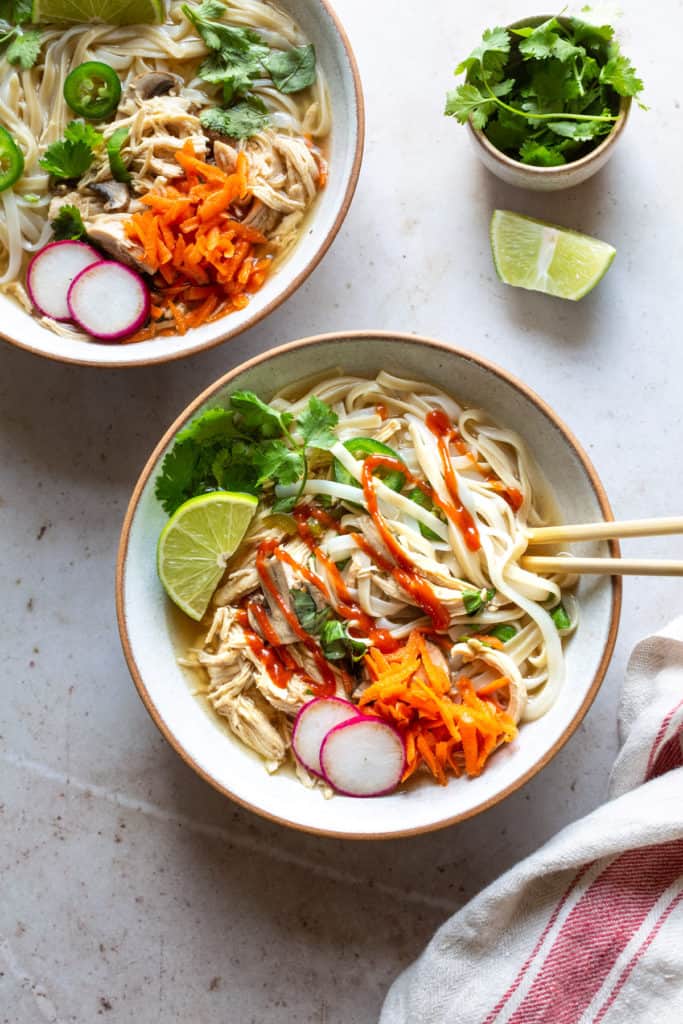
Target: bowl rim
[(340, 337), (564, 169), (295, 284)]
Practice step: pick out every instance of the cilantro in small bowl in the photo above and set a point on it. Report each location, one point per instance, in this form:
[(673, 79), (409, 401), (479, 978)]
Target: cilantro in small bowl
[(545, 92)]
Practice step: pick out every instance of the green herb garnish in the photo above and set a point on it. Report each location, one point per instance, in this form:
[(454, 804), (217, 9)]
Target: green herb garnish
[(332, 634), (244, 448), (23, 45), (71, 156), (503, 632), (560, 617), (238, 57), (544, 94), (475, 600), (68, 224)]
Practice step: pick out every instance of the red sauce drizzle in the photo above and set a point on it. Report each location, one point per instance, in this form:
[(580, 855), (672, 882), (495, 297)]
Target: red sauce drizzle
[(440, 425), (271, 547), (404, 571), (276, 661), (381, 410)]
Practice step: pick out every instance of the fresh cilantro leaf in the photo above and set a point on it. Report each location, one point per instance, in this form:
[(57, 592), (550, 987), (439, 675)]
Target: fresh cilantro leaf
[(420, 498), (232, 468), (539, 155), (16, 12), (560, 617), (475, 600), (503, 632), (238, 122), (72, 156), (539, 44), (467, 101), (234, 71), (285, 504), (577, 129), (621, 75), (337, 643), (256, 415), (68, 224), (24, 48), (175, 484), (278, 462), (217, 35), (507, 131), (291, 70), (591, 35), (212, 425), (315, 424), (310, 617), (491, 54)]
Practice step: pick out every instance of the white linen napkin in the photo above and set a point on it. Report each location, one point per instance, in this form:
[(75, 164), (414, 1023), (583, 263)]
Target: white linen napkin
[(589, 929)]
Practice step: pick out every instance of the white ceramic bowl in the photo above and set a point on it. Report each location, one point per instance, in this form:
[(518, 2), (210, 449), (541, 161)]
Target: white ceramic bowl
[(151, 644), (320, 24)]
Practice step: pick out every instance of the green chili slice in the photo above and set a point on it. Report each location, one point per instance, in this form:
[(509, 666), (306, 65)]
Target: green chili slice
[(360, 448), (11, 160), (93, 90), (118, 168)]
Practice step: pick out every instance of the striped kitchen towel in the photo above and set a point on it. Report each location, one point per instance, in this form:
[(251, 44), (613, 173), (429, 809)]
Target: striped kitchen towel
[(590, 928)]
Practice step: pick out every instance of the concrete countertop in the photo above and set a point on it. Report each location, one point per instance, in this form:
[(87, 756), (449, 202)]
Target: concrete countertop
[(130, 890)]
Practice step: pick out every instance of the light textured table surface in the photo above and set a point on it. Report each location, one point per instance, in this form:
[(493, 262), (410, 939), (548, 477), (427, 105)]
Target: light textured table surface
[(130, 890)]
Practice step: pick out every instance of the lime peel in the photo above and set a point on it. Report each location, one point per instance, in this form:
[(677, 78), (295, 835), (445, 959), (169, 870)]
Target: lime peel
[(533, 254), (109, 12), (196, 544)]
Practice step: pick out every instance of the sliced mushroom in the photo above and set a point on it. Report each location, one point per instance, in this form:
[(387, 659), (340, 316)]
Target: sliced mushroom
[(155, 83), (108, 230), (115, 194)]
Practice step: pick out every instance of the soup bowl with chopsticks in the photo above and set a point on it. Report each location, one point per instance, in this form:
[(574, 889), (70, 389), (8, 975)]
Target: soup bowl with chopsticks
[(154, 279), (155, 634)]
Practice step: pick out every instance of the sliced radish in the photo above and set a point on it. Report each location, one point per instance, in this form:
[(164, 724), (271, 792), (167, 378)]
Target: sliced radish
[(312, 724), (51, 272), (363, 757), (108, 300)]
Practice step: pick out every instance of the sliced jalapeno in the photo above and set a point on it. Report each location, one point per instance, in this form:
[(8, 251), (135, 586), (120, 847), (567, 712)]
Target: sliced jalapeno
[(118, 168), (93, 90), (11, 160), (361, 447), (421, 499)]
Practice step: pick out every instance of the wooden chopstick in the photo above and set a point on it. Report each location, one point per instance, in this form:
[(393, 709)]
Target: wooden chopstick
[(605, 531), (602, 566)]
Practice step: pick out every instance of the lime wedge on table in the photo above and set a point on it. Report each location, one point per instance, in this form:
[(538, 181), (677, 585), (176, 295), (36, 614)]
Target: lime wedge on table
[(195, 544), (546, 258), (112, 12)]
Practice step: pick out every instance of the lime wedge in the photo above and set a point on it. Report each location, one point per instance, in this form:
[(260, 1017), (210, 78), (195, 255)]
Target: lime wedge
[(543, 257), (196, 543), (112, 12)]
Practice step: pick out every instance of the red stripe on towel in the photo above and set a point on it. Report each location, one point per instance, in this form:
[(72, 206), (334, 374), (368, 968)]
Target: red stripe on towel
[(642, 949), (534, 953), (669, 757), (659, 737), (596, 932)]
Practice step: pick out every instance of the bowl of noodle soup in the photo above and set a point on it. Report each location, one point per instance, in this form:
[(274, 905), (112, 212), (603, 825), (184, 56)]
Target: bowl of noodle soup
[(301, 166), (352, 372)]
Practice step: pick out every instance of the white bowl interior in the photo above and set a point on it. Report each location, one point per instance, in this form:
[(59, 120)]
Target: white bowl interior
[(319, 26), (423, 804)]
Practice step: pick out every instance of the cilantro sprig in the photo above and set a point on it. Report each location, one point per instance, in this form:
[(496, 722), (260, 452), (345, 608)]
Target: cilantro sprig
[(246, 447), (544, 94), (71, 156), (238, 57)]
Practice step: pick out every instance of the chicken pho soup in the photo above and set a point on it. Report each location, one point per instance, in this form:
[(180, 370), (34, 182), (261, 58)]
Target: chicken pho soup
[(159, 170), (351, 550)]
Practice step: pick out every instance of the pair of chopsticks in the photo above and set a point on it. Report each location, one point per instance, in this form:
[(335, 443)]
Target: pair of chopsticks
[(603, 531)]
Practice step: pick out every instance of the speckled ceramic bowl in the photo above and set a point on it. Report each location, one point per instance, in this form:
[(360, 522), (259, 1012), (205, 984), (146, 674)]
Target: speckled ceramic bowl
[(547, 179), (321, 25), (149, 625)]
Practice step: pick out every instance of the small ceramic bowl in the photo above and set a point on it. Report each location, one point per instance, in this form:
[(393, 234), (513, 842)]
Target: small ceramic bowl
[(153, 635), (547, 179), (321, 25)]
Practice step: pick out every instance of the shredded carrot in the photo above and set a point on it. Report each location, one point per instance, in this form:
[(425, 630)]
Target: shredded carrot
[(446, 727), (205, 262)]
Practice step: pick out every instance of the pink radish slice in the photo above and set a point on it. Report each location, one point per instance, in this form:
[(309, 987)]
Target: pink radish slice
[(108, 300), (51, 272), (312, 724), (363, 757)]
